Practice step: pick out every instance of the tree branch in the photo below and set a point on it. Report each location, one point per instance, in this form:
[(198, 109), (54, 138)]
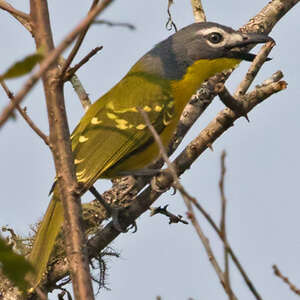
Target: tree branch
[(286, 280), (52, 57), (75, 240), (20, 16), (24, 115), (77, 45), (198, 11), (73, 70), (13, 11), (254, 68)]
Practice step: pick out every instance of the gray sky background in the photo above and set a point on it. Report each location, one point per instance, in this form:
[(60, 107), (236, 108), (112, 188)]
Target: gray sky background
[(262, 181)]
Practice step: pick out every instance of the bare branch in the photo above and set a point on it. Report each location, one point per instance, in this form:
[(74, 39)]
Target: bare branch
[(24, 115), (78, 43), (112, 24), (67, 189), (254, 68), (286, 280), (187, 199), (51, 58), (73, 70), (9, 8), (198, 11), (163, 211), (223, 226), (20, 16), (81, 93)]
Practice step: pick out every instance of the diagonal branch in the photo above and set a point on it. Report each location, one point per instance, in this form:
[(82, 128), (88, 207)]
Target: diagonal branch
[(78, 43), (83, 61), (20, 16), (24, 115), (286, 280), (13, 11), (198, 11), (48, 61)]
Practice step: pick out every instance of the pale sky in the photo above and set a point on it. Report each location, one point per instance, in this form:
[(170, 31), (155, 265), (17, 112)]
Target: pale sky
[(263, 158)]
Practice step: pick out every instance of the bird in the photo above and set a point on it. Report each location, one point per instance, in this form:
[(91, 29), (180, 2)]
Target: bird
[(112, 136)]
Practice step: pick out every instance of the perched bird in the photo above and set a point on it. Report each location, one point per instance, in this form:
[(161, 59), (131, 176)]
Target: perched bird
[(112, 135)]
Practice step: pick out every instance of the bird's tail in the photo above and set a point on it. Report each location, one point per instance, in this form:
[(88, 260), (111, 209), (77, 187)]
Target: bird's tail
[(45, 237)]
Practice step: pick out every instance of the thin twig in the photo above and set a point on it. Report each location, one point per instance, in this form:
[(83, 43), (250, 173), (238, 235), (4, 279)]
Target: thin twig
[(286, 280), (170, 23), (24, 114), (112, 24), (48, 61), (160, 145), (78, 87), (204, 241), (73, 70), (188, 202), (20, 16), (81, 92), (254, 68), (6, 6), (198, 11), (163, 211), (223, 225), (77, 45)]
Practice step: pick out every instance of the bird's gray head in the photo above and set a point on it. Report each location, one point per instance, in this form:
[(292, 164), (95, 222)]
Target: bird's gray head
[(206, 40)]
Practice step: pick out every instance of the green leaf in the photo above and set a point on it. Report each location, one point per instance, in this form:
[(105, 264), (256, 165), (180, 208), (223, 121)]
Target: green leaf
[(14, 266), (23, 67)]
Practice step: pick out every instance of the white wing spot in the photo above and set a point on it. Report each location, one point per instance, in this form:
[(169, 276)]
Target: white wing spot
[(140, 126), (95, 121), (78, 161), (147, 108), (82, 139), (158, 108), (111, 116), (121, 124), (111, 106)]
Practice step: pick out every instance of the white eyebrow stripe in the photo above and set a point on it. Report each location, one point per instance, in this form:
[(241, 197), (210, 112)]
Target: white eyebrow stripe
[(207, 31)]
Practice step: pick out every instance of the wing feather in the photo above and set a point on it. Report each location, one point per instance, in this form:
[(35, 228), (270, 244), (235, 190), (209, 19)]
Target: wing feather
[(113, 127)]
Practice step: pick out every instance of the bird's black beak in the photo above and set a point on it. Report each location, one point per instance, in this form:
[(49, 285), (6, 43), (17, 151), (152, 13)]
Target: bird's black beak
[(238, 47)]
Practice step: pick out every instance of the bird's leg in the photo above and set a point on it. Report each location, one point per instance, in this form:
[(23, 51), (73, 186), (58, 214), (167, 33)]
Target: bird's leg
[(229, 101), (114, 212)]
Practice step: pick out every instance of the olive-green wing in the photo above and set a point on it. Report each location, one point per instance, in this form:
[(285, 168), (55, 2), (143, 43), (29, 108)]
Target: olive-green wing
[(113, 127)]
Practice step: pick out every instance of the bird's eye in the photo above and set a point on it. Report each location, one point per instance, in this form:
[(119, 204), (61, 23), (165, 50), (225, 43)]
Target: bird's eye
[(215, 37)]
